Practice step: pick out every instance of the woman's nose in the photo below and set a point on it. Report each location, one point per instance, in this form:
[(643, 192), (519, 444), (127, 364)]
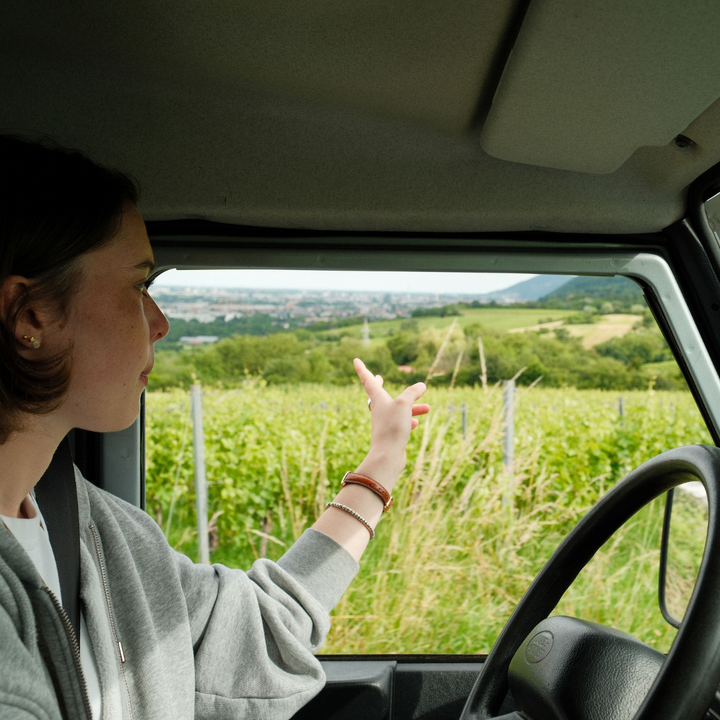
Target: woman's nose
[(159, 325)]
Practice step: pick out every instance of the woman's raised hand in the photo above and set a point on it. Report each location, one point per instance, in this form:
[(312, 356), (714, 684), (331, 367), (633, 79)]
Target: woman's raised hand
[(392, 421)]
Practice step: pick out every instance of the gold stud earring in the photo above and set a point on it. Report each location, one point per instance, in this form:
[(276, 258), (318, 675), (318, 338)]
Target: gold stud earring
[(33, 341)]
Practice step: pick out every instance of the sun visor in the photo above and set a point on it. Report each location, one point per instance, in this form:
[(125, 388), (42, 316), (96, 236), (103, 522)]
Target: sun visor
[(588, 83)]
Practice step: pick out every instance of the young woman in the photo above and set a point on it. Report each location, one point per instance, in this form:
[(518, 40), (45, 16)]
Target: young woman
[(158, 637)]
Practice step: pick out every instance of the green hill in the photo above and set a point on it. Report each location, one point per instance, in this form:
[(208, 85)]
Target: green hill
[(580, 291), (528, 290)]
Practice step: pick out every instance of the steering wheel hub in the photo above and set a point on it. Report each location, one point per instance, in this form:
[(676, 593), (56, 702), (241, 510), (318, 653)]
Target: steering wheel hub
[(570, 669)]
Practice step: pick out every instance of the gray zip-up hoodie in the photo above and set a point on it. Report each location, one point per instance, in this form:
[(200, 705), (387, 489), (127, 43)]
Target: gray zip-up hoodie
[(173, 640)]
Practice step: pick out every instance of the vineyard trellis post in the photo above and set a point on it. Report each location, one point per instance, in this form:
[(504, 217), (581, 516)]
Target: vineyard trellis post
[(508, 500), (200, 481), (483, 366)]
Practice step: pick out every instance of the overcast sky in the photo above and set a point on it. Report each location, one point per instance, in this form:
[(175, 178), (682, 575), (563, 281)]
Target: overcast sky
[(402, 282)]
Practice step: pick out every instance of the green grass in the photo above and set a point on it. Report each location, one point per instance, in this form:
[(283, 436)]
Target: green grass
[(669, 367), (449, 564), (494, 318)]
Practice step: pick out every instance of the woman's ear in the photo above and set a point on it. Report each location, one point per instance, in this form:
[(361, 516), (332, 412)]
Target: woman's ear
[(29, 322)]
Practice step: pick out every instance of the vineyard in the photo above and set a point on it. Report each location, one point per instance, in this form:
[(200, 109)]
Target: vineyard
[(449, 563)]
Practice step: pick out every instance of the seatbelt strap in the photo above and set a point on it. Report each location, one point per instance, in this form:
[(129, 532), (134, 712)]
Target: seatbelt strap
[(56, 496)]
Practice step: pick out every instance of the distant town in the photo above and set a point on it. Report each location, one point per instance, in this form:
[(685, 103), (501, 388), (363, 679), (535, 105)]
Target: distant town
[(296, 307)]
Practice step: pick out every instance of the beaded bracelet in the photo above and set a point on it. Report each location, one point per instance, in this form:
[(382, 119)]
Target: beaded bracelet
[(357, 516)]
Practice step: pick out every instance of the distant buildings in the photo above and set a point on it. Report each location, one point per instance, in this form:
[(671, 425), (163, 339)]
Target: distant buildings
[(306, 306), (199, 339)]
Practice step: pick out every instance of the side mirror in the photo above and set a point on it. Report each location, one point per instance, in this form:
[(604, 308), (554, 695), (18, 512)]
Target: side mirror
[(683, 542)]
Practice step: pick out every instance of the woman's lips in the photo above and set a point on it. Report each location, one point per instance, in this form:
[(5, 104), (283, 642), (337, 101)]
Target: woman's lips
[(144, 374)]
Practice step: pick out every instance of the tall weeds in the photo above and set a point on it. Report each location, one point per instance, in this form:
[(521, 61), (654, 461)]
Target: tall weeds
[(449, 564)]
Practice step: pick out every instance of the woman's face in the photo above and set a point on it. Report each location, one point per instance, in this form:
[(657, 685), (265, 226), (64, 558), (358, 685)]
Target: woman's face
[(112, 325)]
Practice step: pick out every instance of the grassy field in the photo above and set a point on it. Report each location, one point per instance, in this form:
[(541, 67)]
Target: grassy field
[(512, 320), (669, 367), (449, 563), (493, 318), (608, 327)]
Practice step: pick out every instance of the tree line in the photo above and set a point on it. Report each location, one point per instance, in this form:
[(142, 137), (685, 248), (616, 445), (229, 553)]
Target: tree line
[(463, 356)]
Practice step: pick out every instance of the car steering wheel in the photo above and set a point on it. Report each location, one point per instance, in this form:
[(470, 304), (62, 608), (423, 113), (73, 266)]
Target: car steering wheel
[(689, 676)]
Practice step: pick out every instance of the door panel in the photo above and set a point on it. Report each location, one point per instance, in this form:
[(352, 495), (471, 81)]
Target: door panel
[(432, 691), (355, 689), (392, 690)]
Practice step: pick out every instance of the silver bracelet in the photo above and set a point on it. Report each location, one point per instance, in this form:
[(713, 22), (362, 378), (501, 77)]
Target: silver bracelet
[(357, 516)]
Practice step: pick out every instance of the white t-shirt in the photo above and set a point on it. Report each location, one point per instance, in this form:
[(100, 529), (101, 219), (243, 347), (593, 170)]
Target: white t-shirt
[(32, 535)]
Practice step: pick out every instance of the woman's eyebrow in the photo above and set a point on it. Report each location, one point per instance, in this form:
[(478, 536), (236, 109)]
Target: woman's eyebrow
[(148, 265)]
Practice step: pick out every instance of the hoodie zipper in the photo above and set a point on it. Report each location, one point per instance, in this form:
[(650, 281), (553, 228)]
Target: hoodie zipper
[(106, 590), (75, 646)]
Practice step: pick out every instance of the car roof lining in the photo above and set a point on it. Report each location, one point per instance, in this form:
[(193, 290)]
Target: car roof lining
[(371, 118)]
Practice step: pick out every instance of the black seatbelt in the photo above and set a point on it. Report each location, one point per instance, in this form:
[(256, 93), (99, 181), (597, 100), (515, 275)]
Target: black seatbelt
[(56, 497)]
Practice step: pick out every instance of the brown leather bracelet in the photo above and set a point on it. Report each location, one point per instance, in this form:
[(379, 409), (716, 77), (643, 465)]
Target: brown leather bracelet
[(356, 479)]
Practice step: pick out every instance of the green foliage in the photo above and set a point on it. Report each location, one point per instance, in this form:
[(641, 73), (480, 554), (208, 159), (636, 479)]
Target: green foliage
[(261, 443), (410, 326), (688, 530), (637, 348), (334, 323), (404, 348), (550, 353), (449, 564), (310, 367), (444, 311), (256, 324), (172, 369), (583, 318), (231, 359), (621, 292), (560, 360)]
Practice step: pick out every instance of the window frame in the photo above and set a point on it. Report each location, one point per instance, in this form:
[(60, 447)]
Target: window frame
[(645, 266), (646, 262)]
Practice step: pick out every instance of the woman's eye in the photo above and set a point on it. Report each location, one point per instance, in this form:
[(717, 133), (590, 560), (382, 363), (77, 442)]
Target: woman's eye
[(144, 286)]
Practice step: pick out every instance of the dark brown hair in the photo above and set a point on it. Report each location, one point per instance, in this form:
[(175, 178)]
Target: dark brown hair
[(56, 204)]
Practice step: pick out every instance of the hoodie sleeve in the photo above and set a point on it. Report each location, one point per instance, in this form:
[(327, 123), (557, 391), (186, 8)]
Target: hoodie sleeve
[(255, 634), (206, 641)]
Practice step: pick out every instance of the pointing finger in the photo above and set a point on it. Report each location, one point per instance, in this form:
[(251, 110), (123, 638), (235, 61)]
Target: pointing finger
[(372, 383), (366, 377), (363, 373)]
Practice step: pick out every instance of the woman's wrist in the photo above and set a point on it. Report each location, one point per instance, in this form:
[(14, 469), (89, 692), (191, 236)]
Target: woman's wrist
[(383, 468), (343, 526), (338, 524)]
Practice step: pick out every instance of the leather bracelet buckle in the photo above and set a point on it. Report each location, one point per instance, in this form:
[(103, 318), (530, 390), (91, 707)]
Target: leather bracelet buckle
[(353, 478)]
